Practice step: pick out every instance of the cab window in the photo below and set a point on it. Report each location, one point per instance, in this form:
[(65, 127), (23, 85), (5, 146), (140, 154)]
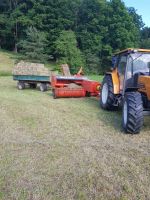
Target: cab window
[(122, 65), (129, 69)]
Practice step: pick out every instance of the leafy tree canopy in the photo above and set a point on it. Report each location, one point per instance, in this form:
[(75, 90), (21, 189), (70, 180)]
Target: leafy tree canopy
[(33, 47), (96, 29)]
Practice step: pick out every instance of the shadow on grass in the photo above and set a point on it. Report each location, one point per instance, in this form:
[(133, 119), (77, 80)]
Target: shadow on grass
[(146, 124), (111, 119)]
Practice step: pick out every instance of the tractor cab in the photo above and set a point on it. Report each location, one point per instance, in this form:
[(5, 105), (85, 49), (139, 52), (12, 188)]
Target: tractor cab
[(128, 85), (130, 64)]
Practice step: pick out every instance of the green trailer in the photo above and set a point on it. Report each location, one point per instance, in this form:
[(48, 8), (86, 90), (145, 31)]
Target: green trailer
[(32, 81)]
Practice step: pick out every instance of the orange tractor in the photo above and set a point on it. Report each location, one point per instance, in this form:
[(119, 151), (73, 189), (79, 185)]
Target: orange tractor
[(128, 86)]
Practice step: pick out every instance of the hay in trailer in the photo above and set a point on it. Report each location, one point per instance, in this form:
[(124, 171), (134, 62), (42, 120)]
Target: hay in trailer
[(27, 68)]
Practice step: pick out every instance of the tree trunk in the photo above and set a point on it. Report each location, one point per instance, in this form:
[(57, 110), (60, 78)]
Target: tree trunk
[(16, 48), (15, 3)]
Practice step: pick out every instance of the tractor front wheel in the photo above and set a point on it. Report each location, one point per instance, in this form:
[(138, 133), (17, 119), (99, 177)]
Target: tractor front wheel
[(107, 96), (132, 115)]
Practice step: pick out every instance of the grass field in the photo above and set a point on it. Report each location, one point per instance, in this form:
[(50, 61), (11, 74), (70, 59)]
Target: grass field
[(7, 61), (68, 149)]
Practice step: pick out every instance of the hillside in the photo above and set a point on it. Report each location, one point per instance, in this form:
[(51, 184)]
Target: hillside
[(7, 61)]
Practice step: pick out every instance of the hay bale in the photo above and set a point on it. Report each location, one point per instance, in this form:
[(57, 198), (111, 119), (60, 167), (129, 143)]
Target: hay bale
[(74, 86), (26, 68)]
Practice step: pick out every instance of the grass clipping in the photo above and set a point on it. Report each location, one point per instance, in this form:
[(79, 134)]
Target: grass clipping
[(27, 68)]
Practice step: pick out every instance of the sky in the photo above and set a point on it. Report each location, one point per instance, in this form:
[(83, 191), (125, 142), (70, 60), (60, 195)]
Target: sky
[(142, 7)]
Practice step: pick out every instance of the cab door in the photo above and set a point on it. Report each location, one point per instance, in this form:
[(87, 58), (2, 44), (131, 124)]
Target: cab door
[(121, 70)]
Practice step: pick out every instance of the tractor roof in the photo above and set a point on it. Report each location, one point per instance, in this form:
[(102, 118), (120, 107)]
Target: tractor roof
[(132, 50)]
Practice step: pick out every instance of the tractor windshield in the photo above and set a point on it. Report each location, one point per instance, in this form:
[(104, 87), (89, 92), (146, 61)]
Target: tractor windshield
[(140, 62)]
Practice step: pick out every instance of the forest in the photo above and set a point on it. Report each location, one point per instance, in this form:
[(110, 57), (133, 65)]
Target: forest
[(79, 32)]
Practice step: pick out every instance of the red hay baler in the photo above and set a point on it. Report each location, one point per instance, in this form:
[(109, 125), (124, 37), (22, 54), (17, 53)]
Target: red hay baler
[(74, 86)]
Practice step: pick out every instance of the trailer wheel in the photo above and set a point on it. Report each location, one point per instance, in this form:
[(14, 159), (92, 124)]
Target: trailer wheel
[(132, 115), (43, 87), (107, 96), (33, 85), (21, 85)]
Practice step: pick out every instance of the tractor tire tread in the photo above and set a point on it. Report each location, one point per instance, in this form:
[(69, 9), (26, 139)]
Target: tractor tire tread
[(135, 112), (111, 96)]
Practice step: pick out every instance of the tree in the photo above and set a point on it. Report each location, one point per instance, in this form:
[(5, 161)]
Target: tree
[(100, 26), (67, 50), (16, 20), (6, 37), (53, 17), (137, 19), (145, 43), (122, 31), (93, 63), (33, 47), (91, 30), (145, 33), (145, 38)]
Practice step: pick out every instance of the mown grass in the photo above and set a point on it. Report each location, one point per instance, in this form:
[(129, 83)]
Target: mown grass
[(96, 77), (68, 149)]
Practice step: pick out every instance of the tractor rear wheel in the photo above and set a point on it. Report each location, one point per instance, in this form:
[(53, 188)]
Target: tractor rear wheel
[(132, 115), (107, 96)]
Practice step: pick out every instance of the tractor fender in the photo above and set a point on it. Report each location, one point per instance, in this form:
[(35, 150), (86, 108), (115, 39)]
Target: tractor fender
[(115, 80)]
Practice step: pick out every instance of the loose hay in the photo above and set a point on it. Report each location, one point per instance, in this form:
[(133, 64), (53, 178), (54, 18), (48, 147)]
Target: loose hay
[(74, 86), (26, 68)]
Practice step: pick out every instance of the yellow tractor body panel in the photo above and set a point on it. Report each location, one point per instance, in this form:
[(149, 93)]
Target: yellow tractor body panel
[(115, 80), (144, 83)]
